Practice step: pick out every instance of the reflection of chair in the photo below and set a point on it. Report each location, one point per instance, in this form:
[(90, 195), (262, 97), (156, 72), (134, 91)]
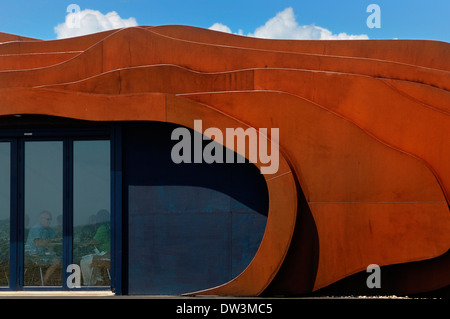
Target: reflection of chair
[(102, 265), (33, 264), (4, 267), (4, 263)]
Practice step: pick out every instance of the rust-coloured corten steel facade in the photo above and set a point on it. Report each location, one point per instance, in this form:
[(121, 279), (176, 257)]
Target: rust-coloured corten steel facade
[(364, 136)]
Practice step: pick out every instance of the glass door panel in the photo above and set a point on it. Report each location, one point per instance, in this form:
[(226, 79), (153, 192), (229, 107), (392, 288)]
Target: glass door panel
[(43, 211), (91, 211), (55, 204), (5, 208)]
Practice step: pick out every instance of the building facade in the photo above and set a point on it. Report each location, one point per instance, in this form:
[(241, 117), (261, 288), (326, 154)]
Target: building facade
[(178, 160)]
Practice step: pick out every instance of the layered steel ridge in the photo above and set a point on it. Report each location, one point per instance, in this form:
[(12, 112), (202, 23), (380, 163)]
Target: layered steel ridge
[(364, 175)]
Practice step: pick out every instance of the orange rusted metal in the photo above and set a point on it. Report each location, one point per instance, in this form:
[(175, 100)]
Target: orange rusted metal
[(364, 131)]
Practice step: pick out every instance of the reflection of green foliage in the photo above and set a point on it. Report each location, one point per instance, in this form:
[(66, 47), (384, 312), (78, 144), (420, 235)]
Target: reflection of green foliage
[(82, 236)]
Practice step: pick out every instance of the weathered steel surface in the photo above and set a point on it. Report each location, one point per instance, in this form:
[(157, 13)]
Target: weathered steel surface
[(364, 132)]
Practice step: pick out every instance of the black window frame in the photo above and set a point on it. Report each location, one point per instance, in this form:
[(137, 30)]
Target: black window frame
[(17, 130)]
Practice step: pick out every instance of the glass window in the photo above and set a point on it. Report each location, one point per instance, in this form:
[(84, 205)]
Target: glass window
[(43, 209), (91, 211), (5, 188)]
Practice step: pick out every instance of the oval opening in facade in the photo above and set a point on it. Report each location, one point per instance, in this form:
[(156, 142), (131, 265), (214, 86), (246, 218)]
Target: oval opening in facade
[(191, 226)]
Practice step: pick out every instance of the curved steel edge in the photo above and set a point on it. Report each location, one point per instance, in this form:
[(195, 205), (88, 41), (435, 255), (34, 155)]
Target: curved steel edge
[(179, 110), (282, 204)]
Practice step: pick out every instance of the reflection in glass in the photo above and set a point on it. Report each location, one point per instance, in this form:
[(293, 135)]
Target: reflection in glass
[(43, 213), (5, 185), (91, 207)]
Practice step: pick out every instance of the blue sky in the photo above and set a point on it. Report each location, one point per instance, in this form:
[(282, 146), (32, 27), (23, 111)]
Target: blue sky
[(402, 19)]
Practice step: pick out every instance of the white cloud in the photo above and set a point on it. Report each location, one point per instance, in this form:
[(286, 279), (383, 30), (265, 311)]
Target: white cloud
[(90, 21), (285, 26), (223, 28), (220, 27)]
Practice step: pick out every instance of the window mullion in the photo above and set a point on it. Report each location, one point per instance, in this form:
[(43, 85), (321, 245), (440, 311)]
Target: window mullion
[(68, 208)]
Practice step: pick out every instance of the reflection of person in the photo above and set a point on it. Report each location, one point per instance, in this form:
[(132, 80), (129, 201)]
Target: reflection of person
[(39, 234), (101, 242), (39, 238)]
